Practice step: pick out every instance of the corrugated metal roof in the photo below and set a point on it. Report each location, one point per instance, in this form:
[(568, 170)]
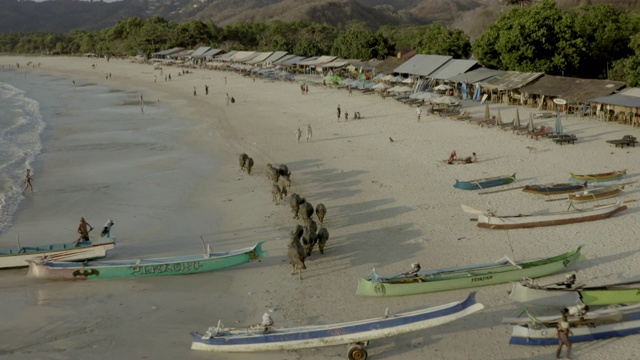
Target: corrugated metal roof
[(213, 52), (618, 99), (227, 56), (453, 67), (336, 64), (510, 80), (476, 75), (422, 65), (285, 58), (319, 61), (275, 56), (244, 56), (170, 51), (571, 89), (389, 65), (634, 91), (260, 57), (296, 60), (200, 51)]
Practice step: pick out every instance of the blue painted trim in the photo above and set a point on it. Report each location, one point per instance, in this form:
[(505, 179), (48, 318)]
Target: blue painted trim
[(338, 330), (589, 337)]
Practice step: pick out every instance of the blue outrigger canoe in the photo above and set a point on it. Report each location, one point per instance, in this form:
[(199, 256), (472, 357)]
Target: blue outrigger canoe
[(485, 183), (555, 188), (258, 338)]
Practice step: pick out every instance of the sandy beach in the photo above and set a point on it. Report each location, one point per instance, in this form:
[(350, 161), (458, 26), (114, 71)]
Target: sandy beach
[(166, 180)]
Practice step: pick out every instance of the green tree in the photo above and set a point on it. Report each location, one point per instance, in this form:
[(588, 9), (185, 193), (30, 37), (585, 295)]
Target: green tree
[(537, 39), (361, 44), (436, 39), (606, 32)]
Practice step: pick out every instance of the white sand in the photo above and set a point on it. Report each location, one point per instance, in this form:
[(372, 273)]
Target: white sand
[(389, 204)]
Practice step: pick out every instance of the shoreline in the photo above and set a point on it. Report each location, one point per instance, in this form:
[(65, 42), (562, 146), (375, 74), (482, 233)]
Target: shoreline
[(389, 204)]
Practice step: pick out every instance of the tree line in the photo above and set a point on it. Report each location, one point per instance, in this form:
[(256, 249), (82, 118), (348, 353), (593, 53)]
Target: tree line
[(586, 42)]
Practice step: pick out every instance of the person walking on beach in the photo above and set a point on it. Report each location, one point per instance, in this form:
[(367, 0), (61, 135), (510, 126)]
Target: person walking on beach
[(338, 112), (206, 89), (298, 135), (228, 98), (83, 231), (418, 113), (27, 181), (564, 330), (141, 103), (309, 132)]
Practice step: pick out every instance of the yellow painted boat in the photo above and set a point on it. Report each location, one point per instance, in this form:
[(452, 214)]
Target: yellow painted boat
[(596, 193), (608, 176)]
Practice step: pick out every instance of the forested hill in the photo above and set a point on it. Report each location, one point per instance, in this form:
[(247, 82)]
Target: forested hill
[(61, 16)]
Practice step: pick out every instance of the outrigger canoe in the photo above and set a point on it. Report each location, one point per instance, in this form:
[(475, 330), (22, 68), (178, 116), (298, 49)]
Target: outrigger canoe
[(256, 338), (608, 176), (499, 272), (554, 189), (594, 325), (485, 183), (118, 269), (529, 293), (596, 193), (492, 221), (70, 251)]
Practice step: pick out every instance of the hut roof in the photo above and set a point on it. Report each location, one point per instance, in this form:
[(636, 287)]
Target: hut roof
[(453, 67), (476, 75), (510, 80), (618, 99), (572, 89), (422, 65)]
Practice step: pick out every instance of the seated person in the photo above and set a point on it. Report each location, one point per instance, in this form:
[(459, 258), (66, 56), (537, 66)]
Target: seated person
[(471, 159), (267, 322), (415, 269), (430, 109)]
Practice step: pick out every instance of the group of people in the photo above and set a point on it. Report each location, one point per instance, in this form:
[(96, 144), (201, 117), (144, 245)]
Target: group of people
[(453, 157), (309, 133), (356, 115)]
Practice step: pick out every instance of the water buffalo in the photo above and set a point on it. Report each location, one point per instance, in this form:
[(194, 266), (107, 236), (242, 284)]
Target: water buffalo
[(294, 201), (306, 212), (296, 255), (242, 160), (308, 239), (322, 237), (249, 165), (284, 172), (277, 193), (321, 211)]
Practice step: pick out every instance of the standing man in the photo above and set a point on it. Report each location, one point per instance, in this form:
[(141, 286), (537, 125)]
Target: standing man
[(309, 132), (27, 181), (298, 135), (338, 112), (228, 98), (418, 113), (206, 89), (83, 231), (564, 330)]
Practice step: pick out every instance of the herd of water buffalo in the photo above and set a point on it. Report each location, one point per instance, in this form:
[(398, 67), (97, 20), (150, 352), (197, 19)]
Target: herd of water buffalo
[(303, 237)]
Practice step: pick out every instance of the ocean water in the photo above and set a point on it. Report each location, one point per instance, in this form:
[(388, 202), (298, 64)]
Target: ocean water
[(21, 127)]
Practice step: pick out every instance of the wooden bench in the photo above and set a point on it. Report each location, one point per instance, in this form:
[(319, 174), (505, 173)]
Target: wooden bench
[(569, 139), (627, 140), (544, 131)]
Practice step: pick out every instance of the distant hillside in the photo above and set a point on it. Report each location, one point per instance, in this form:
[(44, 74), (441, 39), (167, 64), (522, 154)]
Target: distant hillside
[(471, 16)]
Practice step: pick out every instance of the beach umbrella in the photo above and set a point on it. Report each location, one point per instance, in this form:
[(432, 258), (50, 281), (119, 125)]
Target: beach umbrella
[(380, 86), (379, 77), (408, 81), (499, 118), (400, 89), (445, 100), (387, 78), (558, 128), (442, 87), (423, 95), (397, 79), (487, 114), (516, 122), (531, 127)]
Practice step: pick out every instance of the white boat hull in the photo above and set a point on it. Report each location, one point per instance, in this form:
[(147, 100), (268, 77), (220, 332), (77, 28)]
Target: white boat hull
[(97, 251)]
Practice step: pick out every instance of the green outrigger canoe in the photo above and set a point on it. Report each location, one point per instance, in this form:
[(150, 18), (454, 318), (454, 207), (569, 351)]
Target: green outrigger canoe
[(118, 269), (559, 295), (499, 272)]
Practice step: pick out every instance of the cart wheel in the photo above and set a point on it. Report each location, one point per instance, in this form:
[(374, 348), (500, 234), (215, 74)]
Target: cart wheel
[(357, 352)]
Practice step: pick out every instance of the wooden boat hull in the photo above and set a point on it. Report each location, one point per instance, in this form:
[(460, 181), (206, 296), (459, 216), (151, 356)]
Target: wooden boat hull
[(595, 194), (553, 189), (627, 324), (608, 176), (85, 250), (550, 219), (484, 183), (246, 340), (562, 297), (468, 277), (119, 269)]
